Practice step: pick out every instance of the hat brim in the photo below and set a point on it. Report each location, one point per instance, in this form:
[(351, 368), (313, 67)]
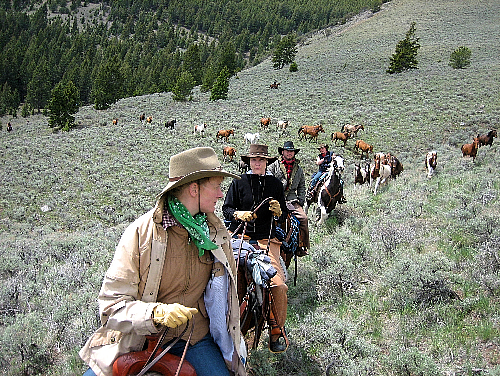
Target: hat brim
[(246, 158), (196, 176), (280, 150)]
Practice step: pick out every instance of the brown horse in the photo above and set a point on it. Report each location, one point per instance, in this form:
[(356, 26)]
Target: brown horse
[(311, 130)]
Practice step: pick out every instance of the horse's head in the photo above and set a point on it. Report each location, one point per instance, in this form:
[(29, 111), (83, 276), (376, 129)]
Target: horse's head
[(338, 161)]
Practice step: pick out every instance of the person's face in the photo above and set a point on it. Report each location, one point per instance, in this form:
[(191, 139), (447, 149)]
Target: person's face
[(288, 155), (258, 165), (210, 193), (322, 150)]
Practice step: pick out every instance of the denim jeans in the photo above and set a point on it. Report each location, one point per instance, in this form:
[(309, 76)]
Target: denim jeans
[(204, 356), (315, 179)]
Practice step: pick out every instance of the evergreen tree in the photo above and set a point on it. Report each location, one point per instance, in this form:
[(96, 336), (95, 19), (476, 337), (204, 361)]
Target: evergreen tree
[(39, 86), (192, 63), (183, 87), (108, 83), (221, 86), (405, 57), (284, 52), (62, 105)]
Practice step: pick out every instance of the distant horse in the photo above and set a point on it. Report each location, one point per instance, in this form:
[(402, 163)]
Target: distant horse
[(282, 124), (142, 117), (431, 163), (115, 121), (341, 136), (487, 139), (9, 127), (311, 130), (264, 122), (364, 147), (200, 129), (470, 150), (224, 133), (274, 85), (251, 137), (361, 174), (228, 152), (381, 172), (170, 124), (352, 129), (328, 195)]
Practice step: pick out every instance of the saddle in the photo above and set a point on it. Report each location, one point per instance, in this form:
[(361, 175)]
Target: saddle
[(133, 362), (314, 190)]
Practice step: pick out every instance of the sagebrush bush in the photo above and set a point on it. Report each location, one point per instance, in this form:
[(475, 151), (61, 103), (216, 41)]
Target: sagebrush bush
[(460, 58)]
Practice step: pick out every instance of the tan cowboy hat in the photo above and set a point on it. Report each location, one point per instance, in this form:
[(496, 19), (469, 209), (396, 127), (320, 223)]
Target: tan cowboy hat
[(193, 164), (257, 151), (288, 145)]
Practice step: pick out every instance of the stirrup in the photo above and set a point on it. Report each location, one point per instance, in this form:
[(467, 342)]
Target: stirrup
[(276, 346)]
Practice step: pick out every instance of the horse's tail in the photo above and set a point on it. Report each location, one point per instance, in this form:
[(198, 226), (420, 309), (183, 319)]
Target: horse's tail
[(300, 130)]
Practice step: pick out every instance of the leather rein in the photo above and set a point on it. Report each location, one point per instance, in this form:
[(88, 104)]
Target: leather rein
[(153, 360)]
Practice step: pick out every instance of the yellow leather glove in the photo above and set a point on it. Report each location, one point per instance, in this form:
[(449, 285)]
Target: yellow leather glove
[(275, 208), (245, 216), (172, 315)]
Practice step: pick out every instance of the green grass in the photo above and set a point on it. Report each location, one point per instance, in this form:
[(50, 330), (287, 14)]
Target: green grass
[(399, 253)]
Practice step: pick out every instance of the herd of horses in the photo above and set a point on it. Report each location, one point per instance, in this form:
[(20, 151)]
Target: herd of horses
[(384, 166)]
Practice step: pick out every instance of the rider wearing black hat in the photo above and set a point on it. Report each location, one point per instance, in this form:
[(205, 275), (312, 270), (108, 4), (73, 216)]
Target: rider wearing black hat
[(291, 175)]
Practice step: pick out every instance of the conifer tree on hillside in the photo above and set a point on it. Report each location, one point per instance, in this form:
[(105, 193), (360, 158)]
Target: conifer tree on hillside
[(39, 87), (62, 105), (285, 52), (221, 86), (108, 83), (405, 56), (184, 87)]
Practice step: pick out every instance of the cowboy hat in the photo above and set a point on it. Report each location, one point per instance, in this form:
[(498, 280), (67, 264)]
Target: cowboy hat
[(193, 164), (323, 146), (288, 145), (257, 151)]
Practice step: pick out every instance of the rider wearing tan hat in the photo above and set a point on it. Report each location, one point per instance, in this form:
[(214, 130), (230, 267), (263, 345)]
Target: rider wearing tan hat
[(161, 276), (242, 204)]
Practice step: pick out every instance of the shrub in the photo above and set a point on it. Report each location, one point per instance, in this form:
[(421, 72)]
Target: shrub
[(460, 58), (405, 57), (293, 67)]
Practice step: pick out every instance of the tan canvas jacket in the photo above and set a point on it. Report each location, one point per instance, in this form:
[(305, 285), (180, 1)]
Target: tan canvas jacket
[(129, 291)]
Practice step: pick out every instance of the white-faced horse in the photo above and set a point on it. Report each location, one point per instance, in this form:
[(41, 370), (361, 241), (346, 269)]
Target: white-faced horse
[(381, 172), (330, 192), (431, 162)]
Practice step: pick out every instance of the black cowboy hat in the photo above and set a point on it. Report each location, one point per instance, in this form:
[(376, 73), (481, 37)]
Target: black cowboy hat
[(288, 145)]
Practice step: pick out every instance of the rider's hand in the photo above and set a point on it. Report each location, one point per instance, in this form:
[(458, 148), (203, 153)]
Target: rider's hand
[(244, 216), (172, 315), (275, 208)]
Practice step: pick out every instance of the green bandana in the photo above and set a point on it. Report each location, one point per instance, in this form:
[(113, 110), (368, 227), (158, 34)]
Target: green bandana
[(196, 226)]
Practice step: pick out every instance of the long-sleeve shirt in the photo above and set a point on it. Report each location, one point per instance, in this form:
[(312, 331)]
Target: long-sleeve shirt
[(246, 194)]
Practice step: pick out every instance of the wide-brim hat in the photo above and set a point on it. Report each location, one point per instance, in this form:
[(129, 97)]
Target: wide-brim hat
[(288, 146), (323, 146), (257, 151), (193, 164)]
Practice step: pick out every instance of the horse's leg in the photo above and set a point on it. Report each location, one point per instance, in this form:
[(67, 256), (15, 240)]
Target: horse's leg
[(376, 185), (324, 215)]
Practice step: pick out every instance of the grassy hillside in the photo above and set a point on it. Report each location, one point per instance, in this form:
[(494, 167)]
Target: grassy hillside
[(402, 283)]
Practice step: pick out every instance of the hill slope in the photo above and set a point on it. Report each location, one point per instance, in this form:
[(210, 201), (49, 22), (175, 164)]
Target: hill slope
[(405, 282)]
